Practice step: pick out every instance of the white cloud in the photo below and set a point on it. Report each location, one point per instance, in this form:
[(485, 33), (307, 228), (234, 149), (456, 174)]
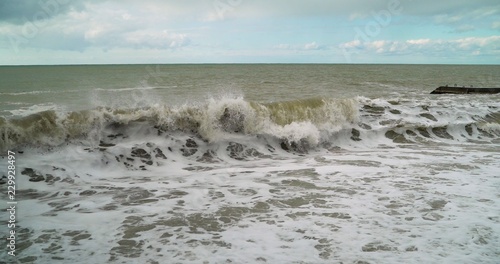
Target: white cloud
[(304, 47), (465, 46), (103, 26), (155, 39), (223, 26), (469, 19), (311, 46), (474, 42), (217, 10), (418, 41), (352, 9), (351, 44)]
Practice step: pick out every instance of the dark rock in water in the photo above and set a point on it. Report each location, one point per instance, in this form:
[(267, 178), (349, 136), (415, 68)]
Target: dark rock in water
[(32, 174), (159, 154), (464, 90), (148, 162), (141, 153), (191, 143), (37, 178), (355, 135), (28, 171)]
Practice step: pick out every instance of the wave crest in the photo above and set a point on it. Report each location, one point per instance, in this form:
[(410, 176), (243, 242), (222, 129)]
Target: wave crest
[(212, 120), (293, 125)]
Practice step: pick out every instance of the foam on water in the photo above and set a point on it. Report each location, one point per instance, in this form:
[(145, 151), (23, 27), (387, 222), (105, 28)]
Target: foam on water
[(392, 204)]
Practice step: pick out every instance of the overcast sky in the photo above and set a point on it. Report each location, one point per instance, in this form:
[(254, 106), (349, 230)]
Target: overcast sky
[(249, 31)]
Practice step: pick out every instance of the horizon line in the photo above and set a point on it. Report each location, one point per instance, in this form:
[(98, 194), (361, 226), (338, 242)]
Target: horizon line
[(247, 63)]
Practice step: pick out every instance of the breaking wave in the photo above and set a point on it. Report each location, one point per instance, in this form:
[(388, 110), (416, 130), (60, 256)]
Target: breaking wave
[(293, 125)]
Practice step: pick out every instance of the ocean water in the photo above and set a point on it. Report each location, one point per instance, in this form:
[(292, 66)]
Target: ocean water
[(251, 164)]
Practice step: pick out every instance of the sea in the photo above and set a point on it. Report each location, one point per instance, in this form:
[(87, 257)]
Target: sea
[(249, 163)]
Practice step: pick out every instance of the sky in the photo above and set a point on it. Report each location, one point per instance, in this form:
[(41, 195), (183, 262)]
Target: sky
[(41, 32)]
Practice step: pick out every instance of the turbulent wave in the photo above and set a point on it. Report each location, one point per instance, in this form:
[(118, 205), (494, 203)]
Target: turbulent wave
[(294, 125), (212, 120)]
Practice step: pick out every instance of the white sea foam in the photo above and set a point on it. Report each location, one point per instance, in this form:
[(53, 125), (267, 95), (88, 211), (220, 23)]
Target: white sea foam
[(376, 180), (423, 204), (34, 109)]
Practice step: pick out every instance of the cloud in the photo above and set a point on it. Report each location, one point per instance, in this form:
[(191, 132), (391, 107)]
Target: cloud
[(301, 47), (14, 11), (98, 25), (312, 46), (19, 12), (428, 47), (155, 39), (355, 9), (208, 27), (469, 20)]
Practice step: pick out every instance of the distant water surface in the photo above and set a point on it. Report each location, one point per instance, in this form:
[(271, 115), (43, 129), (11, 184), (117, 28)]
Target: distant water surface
[(251, 163)]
